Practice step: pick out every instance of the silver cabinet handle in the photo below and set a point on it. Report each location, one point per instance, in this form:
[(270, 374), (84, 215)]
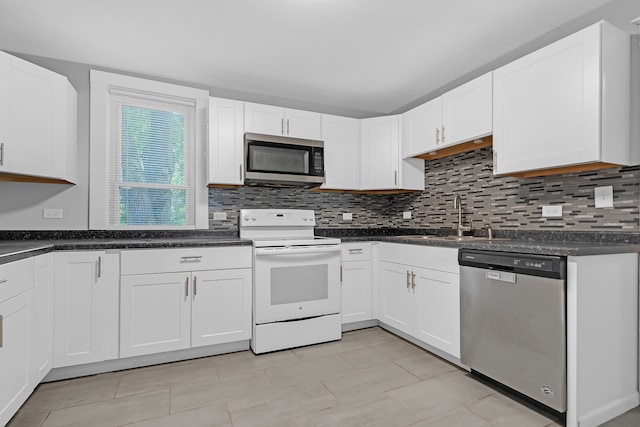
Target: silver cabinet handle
[(340, 274), (240, 172), (195, 286), (413, 280), (1, 154), (395, 177), (282, 125), (443, 134), (194, 258), (287, 126), (186, 288), (1, 329), (99, 267), (3, 281), (495, 161), (408, 282), (437, 136), (355, 251)]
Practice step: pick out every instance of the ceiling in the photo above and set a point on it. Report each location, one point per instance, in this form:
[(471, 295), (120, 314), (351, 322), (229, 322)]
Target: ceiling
[(356, 57)]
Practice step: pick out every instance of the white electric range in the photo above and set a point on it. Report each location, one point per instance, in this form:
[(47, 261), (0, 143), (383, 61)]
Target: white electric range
[(296, 280)]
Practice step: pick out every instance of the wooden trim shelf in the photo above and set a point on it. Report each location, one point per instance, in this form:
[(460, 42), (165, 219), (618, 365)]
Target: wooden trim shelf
[(476, 144), (564, 169), (13, 177)]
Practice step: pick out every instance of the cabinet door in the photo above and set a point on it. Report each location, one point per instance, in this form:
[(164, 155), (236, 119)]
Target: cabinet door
[(155, 313), (437, 311), (467, 111), (396, 296), (341, 136), (547, 106), (79, 308), (42, 360), (30, 146), (356, 291), (15, 351), (380, 152), (265, 119), (226, 141), (302, 124), (221, 307), (421, 128), (5, 104)]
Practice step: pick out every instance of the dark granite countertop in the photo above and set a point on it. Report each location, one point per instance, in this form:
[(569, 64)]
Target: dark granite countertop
[(513, 245), (15, 250), (18, 245)]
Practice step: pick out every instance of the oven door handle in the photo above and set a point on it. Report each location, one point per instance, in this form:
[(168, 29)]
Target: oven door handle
[(297, 250)]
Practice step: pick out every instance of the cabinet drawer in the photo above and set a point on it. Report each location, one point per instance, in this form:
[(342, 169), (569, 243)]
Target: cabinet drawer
[(15, 278), (355, 252), (184, 259), (431, 257)]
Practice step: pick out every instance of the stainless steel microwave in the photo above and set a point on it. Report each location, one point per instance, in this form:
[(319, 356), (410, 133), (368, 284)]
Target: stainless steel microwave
[(272, 158)]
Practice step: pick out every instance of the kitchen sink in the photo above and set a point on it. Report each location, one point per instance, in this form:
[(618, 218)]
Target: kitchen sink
[(454, 238)]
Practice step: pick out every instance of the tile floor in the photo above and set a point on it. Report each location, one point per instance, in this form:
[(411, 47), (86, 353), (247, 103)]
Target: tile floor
[(369, 378)]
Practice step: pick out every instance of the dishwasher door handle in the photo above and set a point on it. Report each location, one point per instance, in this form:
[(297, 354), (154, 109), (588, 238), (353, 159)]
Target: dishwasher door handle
[(501, 276)]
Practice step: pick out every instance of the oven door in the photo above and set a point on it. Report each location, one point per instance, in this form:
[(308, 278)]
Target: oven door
[(296, 282)]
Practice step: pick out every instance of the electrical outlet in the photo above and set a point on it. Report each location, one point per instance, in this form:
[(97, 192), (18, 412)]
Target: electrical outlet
[(347, 216), (406, 215), (219, 216), (52, 213), (554, 211), (603, 196)]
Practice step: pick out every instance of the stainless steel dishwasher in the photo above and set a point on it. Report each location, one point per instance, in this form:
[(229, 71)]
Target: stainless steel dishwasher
[(513, 321)]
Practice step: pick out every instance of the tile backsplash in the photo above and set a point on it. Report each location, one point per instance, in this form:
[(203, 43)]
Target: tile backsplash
[(503, 202)]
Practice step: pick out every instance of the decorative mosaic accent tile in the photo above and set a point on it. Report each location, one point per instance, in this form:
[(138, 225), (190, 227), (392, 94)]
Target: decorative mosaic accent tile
[(506, 203)]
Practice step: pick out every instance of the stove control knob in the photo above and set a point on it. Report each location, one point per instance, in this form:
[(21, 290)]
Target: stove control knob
[(253, 217), (246, 217)]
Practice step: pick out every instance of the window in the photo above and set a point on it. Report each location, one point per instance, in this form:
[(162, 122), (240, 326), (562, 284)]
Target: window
[(145, 141)]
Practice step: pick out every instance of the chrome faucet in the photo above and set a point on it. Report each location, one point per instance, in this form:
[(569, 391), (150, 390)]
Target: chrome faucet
[(457, 204)]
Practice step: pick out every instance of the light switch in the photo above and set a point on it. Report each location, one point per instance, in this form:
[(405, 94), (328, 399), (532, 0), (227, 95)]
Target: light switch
[(604, 196), (219, 216), (554, 211)]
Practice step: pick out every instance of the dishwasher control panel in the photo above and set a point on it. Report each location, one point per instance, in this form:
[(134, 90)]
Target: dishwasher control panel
[(536, 265)]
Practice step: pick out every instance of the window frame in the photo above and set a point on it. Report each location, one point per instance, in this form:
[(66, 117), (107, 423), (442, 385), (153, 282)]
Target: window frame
[(102, 83)]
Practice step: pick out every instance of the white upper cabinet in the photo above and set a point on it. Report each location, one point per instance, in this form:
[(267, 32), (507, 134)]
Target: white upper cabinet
[(460, 115), (467, 111), (564, 105), (380, 151), (382, 168), (38, 123), (421, 128), (271, 120), (226, 142), (341, 136)]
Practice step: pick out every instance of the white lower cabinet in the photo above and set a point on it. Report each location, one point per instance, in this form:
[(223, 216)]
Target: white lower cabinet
[(221, 307), (155, 313), (79, 308), (396, 296), (356, 291), (204, 305), (42, 360), (437, 315), (419, 294), (16, 320)]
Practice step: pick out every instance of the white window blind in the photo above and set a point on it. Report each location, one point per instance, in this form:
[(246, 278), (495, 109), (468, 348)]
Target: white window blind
[(150, 160)]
